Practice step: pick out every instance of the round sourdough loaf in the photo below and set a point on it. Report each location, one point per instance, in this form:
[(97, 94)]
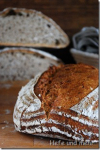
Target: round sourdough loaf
[(61, 103), (24, 63)]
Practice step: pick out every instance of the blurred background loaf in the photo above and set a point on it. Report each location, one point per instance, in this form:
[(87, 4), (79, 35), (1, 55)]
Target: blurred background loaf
[(28, 27), (24, 63), (71, 16)]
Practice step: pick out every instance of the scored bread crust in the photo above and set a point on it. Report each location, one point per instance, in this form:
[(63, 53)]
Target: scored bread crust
[(78, 122), (30, 11)]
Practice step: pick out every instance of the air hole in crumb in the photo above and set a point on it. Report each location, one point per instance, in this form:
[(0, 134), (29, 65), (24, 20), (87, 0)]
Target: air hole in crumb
[(48, 25), (9, 28), (10, 60), (25, 63), (21, 39), (35, 54), (1, 67), (13, 78), (28, 15), (39, 64), (20, 14), (10, 13), (57, 42), (42, 57)]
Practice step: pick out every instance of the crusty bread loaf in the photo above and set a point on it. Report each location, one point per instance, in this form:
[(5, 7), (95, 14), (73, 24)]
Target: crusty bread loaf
[(26, 27), (24, 63), (60, 103)]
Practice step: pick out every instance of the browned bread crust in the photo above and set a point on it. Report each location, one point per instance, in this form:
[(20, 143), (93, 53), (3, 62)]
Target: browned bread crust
[(61, 103), (66, 85)]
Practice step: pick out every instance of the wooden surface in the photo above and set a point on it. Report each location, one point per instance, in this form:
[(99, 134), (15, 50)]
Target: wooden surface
[(9, 137), (70, 15)]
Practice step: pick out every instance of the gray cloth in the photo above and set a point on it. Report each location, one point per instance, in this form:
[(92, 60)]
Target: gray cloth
[(87, 40)]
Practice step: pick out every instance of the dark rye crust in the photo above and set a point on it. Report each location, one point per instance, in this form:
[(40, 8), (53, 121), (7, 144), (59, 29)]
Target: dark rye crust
[(66, 85)]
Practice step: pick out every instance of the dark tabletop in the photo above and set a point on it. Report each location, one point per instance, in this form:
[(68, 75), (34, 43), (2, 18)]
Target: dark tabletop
[(70, 15)]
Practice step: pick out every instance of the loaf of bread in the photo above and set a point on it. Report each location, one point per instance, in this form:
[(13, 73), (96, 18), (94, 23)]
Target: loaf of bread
[(24, 63), (60, 103), (26, 27)]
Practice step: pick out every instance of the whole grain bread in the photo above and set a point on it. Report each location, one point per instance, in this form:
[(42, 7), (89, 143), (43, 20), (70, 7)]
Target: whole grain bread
[(26, 27), (60, 103), (24, 63)]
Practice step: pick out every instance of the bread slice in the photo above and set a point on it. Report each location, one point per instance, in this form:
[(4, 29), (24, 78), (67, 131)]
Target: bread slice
[(60, 103), (24, 63), (26, 27)]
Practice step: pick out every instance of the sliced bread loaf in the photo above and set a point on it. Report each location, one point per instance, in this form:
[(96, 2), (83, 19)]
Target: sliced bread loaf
[(25, 27), (24, 63)]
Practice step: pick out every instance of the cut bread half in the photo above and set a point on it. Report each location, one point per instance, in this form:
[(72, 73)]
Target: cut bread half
[(26, 27), (24, 63)]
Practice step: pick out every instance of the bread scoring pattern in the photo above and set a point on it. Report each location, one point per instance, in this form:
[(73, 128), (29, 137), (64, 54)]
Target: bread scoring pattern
[(78, 122)]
